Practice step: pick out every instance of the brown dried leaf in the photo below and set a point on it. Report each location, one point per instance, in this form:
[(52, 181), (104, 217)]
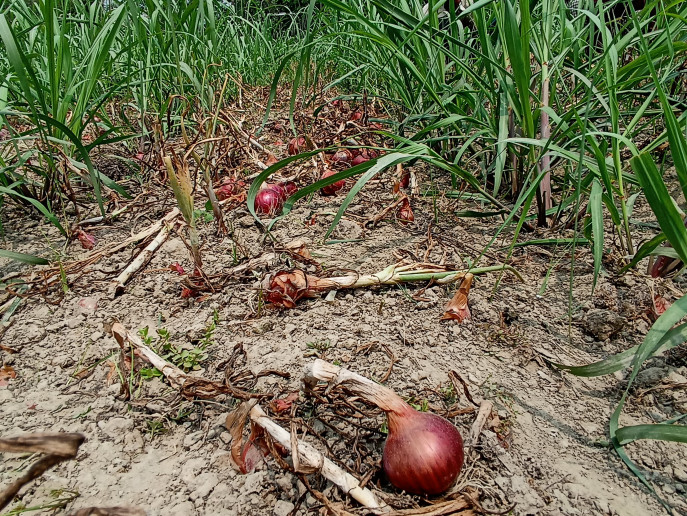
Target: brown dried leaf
[(458, 308), (405, 212), (284, 404), (235, 423), (7, 373)]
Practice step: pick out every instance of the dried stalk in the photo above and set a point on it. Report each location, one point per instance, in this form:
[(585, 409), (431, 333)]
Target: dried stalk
[(544, 200), (395, 274), (383, 397), (142, 258), (285, 288), (59, 447), (189, 386), (485, 409), (308, 456), (109, 511)]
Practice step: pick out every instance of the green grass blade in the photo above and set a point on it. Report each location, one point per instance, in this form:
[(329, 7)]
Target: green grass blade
[(25, 258), (661, 202), (596, 209), (620, 361), (663, 432)]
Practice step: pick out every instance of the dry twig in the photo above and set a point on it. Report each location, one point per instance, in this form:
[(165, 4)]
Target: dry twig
[(58, 447)]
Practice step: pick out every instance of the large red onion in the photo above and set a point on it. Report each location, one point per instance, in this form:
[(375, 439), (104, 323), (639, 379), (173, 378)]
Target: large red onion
[(268, 201), (423, 453), (334, 187), (285, 189)]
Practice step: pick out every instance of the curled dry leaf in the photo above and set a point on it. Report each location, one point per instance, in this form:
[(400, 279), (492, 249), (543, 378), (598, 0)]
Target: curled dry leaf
[(284, 404), (246, 455), (660, 305), (176, 267), (271, 160), (87, 240), (285, 288), (7, 373), (458, 308), (405, 212)]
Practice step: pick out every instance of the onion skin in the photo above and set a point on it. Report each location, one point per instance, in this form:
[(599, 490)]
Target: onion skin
[(296, 145), (334, 187), (360, 158), (423, 453), (268, 201), (290, 188)]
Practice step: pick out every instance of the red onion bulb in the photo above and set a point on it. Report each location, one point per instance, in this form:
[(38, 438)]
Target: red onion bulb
[(360, 158), (268, 201), (334, 187), (285, 189), (343, 155), (423, 453), (290, 188)]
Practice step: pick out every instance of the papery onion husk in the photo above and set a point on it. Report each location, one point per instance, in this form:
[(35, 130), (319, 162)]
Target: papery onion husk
[(359, 159), (87, 240), (405, 212), (458, 308), (423, 453), (285, 288)]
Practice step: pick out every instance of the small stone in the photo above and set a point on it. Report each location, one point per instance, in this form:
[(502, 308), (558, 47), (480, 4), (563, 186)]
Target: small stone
[(74, 322), (114, 389), (668, 489), (284, 483), (603, 323), (680, 474), (206, 482), (182, 509), (192, 439), (282, 508), (225, 437)]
